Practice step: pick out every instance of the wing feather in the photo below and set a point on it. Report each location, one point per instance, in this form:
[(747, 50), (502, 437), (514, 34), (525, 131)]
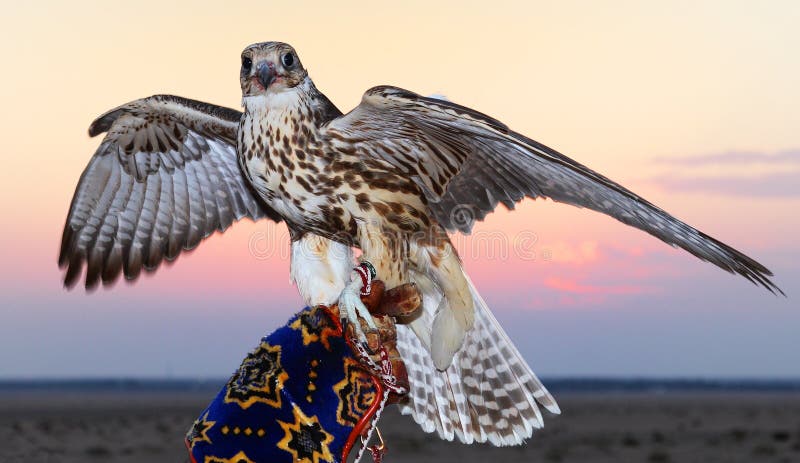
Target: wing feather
[(222, 194), (165, 176), (180, 226), (163, 221), (132, 260), (197, 210), (466, 163), (102, 244), (206, 198), (230, 174)]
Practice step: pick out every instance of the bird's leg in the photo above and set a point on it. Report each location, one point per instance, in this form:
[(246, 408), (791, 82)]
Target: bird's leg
[(350, 305), (320, 268)]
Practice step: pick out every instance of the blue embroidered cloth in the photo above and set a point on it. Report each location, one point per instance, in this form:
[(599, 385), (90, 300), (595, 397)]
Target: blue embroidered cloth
[(301, 396)]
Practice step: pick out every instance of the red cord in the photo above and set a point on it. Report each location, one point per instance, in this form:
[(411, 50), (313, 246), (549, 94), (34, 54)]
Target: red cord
[(377, 453)]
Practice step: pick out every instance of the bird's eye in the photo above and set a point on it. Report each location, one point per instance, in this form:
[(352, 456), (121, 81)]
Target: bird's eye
[(247, 63), (287, 60)]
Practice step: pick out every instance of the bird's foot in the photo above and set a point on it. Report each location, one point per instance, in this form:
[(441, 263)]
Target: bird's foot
[(351, 308), (350, 305)]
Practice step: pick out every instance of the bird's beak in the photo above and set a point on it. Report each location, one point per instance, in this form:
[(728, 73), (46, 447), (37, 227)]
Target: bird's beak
[(266, 73)]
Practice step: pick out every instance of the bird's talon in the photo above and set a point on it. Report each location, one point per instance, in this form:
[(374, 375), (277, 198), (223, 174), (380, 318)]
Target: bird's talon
[(351, 308), (363, 312)]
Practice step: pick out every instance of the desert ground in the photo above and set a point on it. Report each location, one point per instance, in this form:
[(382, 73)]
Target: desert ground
[(119, 427)]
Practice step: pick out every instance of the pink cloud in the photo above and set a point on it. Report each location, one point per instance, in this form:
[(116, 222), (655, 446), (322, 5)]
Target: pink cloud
[(572, 286), (580, 253)]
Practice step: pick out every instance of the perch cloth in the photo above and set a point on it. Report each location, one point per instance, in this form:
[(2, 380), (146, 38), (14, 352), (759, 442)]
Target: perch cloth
[(305, 394)]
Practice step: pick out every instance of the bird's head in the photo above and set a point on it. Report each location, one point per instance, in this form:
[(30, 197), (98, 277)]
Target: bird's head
[(270, 68)]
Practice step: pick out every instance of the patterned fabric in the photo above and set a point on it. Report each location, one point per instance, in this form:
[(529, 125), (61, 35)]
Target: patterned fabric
[(301, 396)]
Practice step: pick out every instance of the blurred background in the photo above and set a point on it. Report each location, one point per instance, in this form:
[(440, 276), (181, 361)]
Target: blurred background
[(692, 105)]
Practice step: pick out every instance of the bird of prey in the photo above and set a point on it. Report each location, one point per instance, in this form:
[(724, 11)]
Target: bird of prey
[(390, 177)]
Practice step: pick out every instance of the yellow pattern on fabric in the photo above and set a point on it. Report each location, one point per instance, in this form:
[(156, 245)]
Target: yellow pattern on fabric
[(315, 327), (305, 439), (260, 378), (199, 431), (356, 393), (238, 458)]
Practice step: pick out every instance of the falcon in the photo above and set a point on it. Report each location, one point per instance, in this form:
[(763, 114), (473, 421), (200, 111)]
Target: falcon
[(392, 177)]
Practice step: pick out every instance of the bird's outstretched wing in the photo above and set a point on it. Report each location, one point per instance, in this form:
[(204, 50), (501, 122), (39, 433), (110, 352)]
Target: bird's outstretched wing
[(164, 177), (466, 163)]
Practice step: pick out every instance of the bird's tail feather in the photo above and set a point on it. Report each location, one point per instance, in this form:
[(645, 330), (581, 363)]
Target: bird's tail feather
[(489, 393)]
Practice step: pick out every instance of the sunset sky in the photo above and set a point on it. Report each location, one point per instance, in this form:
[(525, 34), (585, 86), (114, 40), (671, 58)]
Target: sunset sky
[(693, 105)]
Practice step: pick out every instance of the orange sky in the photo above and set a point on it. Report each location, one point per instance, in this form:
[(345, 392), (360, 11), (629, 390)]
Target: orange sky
[(632, 89)]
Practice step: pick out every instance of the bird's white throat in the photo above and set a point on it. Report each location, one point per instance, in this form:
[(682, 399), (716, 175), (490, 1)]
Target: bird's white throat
[(278, 101)]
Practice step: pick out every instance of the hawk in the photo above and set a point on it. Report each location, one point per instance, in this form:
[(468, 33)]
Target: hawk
[(391, 177)]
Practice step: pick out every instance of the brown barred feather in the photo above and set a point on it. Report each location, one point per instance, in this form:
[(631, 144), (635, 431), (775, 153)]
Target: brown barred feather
[(165, 177), (466, 163)]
